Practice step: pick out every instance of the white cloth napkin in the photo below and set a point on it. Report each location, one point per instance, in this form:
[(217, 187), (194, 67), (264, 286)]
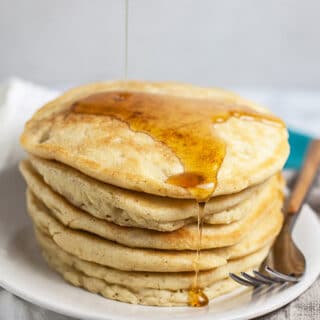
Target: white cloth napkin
[(20, 99)]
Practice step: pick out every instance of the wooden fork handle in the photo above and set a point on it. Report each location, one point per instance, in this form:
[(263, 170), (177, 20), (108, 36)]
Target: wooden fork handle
[(305, 178)]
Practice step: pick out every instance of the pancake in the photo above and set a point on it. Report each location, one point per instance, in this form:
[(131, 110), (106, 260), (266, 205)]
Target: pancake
[(138, 281), (95, 249), (92, 248), (185, 238), (110, 150), (141, 288), (154, 280), (133, 209), (151, 297)]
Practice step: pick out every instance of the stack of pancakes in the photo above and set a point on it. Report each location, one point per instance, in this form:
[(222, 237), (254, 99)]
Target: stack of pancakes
[(154, 214)]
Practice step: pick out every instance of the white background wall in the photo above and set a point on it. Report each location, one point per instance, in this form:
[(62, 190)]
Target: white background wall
[(230, 43)]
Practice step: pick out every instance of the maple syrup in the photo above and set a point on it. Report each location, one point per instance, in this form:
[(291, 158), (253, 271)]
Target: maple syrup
[(185, 125), (197, 298), (126, 38)]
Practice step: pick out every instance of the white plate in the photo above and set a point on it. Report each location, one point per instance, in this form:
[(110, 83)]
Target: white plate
[(24, 273)]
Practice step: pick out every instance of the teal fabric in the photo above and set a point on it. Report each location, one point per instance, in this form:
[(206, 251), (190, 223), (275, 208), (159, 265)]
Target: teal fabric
[(298, 144)]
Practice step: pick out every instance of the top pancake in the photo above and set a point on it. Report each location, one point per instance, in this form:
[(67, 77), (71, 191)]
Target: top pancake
[(116, 152)]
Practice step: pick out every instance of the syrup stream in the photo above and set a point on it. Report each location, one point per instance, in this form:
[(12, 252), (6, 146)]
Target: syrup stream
[(197, 298), (126, 35)]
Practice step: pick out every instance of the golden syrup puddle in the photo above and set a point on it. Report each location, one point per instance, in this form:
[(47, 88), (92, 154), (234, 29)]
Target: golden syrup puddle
[(185, 125)]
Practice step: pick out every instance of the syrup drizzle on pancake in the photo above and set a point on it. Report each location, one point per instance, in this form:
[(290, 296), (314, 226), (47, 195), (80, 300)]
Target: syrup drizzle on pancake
[(186, 126)]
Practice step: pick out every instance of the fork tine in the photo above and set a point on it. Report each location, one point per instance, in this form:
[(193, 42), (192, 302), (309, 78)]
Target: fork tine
[(268, 280), (242, 281), (280, 275), (254, 280)]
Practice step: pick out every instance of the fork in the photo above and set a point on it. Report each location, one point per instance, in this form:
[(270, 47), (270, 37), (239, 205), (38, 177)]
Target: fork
[(285, 262)]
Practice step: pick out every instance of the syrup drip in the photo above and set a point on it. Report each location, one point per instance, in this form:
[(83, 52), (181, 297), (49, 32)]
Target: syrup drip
[(197, 298), (185, 125)]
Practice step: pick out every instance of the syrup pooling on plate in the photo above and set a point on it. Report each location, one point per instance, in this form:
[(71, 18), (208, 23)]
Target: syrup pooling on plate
[(185, 125)]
